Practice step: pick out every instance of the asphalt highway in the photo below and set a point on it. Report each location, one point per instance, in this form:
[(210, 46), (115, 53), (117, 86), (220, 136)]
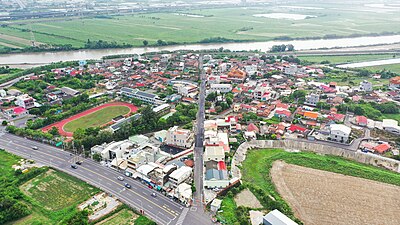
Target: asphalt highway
[(160, 209)]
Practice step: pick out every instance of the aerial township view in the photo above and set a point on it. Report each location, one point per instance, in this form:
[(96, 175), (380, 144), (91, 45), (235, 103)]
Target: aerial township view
[(191, 112)]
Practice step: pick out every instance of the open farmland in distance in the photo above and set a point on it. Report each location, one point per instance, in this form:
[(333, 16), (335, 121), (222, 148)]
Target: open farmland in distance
[(240, 23)]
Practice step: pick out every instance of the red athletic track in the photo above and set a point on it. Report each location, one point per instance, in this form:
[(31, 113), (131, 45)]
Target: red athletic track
[(60, 124)]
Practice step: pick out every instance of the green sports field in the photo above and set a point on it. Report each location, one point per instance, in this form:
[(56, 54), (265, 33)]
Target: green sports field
[(342, 18), (97, 118)]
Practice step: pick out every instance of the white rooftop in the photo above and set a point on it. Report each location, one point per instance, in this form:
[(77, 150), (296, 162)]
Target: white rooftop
[(177, 174), (277, 218), (341, 127)]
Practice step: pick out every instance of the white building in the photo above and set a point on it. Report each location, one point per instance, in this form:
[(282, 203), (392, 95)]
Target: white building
[(180, 175), (113, 150), (340, 133), (184, 193), (223, 88), (366, 86), (312, 99), (391, 126), (185, 90), (215, 153), (277, 218), (141, 95), (179, 137), (25, 101), (250, 69)]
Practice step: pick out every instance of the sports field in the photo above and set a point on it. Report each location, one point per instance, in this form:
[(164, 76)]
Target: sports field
[(97, 118), (94, 117), (240, 23)]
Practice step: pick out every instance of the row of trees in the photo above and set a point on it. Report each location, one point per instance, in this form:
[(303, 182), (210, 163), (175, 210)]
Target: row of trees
[(371, 110), (100, 44), (56, 113), (282, 48)]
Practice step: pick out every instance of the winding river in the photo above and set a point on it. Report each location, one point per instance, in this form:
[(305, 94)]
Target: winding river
[(41, 58)]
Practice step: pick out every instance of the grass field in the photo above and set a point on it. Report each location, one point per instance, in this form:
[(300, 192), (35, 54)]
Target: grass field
[(342, 59), (125, 216), (256, 174), (228, 215), (97, 118), (55, 191), (395, 68), (341, 18)]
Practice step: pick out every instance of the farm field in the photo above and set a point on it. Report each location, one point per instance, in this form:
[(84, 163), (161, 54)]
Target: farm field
[(240, 23), (61, 190), (97, 118), (342, 59), (257, 166), (51, 196), (320, 197)]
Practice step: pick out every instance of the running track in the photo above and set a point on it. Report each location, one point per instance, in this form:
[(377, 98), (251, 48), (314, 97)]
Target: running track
[(60, 124)]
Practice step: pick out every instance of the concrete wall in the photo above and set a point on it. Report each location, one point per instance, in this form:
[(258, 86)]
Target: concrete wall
[(298, 145)]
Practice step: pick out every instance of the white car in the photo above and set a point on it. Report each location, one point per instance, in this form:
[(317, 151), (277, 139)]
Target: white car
[(120, 178)]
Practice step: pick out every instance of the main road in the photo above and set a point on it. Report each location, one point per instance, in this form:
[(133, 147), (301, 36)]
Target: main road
[(160, 209), (198, 149)]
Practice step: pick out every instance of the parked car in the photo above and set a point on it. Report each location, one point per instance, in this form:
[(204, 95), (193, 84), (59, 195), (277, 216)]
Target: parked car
[(127, 185), (35, 148), (120, 178), (73, 166)]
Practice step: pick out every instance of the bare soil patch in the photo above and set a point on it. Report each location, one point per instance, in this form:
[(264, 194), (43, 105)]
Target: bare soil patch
[(246, 198), (320, 197)]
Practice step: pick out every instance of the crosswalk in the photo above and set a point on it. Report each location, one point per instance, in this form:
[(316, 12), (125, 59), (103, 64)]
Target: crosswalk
[(182, 216)]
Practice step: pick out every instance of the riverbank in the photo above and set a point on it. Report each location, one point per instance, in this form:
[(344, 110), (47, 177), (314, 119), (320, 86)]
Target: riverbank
[(50, 57)]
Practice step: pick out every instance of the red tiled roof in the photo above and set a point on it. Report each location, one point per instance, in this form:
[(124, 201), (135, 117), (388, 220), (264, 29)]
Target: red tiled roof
[(382, 148), (221, 165), (252, 127), (294, 128), (361, 119)]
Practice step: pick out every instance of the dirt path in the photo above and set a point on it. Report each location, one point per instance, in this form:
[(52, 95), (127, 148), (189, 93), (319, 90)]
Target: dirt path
[(246, 198), (320, 197)]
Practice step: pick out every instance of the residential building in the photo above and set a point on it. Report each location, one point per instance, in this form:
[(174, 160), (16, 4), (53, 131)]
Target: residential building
[(311, 115), (391, 126), (237, 75), (112, 150), (216, 175), (215, 205), (141, 95), (312, 99), (223, 88), (361, 121), (180, 175), (394, 83), (184, 193), (25, 101), (179, 137), (366, 86), (339, 133), (277, 218), (215, 153), (185, 90), (70, 91)]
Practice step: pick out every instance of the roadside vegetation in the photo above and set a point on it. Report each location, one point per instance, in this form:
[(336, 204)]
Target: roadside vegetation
[(47, 196), (256, 177)]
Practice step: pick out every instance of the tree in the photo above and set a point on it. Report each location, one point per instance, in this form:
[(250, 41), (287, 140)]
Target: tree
[(54, 131), (4, 123), (145, 42), (211, 97), (96, 157), (290, 47)]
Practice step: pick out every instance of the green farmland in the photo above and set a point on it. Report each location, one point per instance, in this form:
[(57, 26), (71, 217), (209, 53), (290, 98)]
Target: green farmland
[(343, 59), (238, 23)]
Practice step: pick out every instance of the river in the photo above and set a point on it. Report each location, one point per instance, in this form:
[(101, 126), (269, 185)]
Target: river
[(370, 63), (40, 58)]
